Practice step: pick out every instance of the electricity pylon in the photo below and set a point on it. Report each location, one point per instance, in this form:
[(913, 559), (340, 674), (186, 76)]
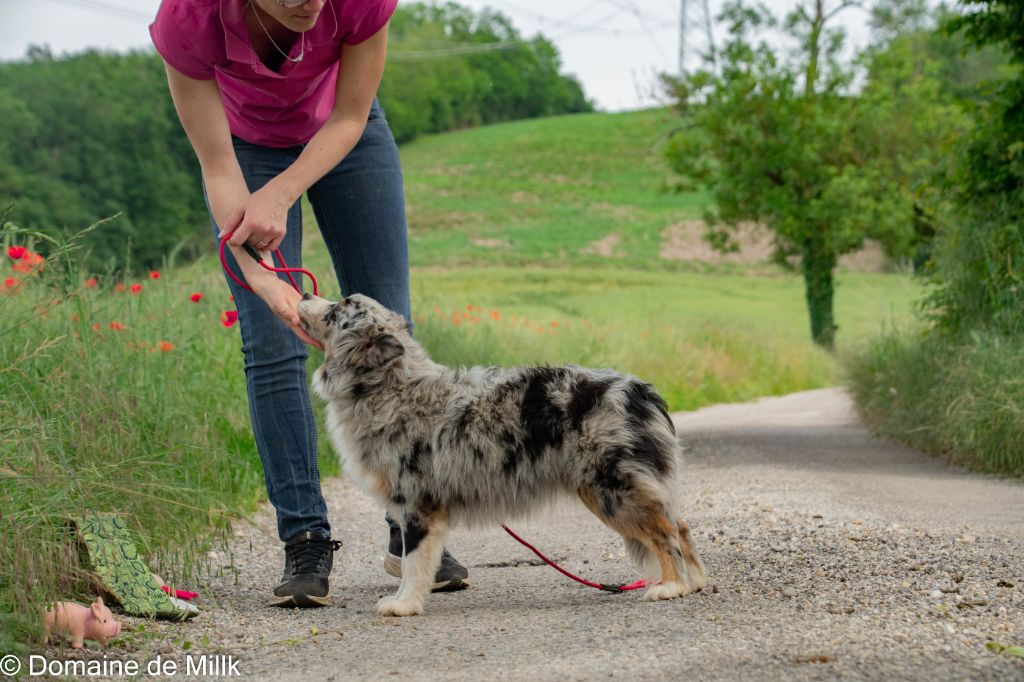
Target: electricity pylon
[(695, 37)]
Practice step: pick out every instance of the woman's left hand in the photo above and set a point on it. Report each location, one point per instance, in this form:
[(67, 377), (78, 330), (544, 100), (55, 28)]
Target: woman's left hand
[(263, 220)]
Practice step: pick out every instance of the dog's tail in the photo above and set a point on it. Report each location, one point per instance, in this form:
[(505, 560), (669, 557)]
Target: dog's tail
[(643, 557)]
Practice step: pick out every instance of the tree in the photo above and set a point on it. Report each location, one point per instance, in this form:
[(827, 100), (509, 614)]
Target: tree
[(783, 141), (981, 255), (450, 67)]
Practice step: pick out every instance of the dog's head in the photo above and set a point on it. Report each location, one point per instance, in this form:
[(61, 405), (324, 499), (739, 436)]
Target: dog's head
[(359, 334)]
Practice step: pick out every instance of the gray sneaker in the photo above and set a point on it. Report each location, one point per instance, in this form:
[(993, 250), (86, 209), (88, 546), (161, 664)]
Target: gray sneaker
[(451, 575), (308, 558)]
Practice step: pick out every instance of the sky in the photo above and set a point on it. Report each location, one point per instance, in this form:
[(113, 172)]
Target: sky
[(616, 48)]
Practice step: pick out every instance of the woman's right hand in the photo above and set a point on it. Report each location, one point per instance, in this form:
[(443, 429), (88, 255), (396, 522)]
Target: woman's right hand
[(283, 299)]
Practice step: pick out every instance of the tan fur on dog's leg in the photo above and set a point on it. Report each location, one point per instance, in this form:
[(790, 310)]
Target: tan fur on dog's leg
[(646, 523), (418, 569), (696, 575), (662, 538)]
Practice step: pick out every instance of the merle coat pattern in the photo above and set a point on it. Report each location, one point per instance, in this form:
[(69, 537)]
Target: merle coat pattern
[(438, 446)]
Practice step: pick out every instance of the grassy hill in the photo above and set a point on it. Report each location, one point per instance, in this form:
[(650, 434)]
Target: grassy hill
[(543, 192)]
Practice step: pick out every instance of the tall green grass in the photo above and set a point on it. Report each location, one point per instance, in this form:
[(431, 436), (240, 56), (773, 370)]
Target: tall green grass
[(700, 339), (114, 401), (959, 397)]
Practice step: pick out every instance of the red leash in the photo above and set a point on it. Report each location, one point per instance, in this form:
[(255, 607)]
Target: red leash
[(639, 584), (259, 259)]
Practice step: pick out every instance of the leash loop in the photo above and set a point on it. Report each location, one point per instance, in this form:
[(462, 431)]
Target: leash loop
[(259, 259)]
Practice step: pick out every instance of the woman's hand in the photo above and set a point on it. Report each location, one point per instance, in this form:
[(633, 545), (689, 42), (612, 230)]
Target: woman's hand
[(262, 220), (282, 299)]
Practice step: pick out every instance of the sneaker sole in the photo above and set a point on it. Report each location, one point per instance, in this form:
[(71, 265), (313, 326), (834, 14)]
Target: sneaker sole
[(393, 567), (303, 601)]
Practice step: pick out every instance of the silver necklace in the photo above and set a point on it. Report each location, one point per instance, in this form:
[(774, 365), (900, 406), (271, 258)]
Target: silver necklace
[(302, 50)]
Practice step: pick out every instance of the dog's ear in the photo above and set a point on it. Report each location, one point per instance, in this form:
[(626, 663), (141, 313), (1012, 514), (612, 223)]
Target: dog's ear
[(379, 350)]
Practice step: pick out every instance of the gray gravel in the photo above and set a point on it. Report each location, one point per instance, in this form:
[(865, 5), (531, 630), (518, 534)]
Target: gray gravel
[(830, 555)]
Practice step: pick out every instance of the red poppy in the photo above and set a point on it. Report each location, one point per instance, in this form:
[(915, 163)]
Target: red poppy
[(136, 288), (119, 287), (91, 283), (229, 317), (28, 261), (10, 282), (16, 252), (166, 346), (154, 274), (116, 326), (95, 326), (196, 297)]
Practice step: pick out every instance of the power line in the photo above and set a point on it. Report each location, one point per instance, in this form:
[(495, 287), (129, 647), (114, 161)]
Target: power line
[(631, 7), (592, 28), (641, 15), (111, 9), (399, 55)]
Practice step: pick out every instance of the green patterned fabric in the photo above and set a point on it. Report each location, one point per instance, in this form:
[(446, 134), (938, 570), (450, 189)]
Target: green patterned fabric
[(117, 564)]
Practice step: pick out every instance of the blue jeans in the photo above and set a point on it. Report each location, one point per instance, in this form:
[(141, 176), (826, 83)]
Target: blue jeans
[(360, 209)]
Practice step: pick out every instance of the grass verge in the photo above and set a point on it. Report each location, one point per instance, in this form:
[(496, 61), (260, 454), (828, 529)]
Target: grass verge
[(961, 398), (115, 395)]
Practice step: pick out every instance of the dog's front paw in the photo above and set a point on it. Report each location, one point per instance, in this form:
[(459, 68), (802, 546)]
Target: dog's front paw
[(392, 606), (665, 591)]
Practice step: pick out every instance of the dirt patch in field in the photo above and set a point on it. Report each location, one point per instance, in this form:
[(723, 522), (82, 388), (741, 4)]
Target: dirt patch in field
[(684, 241), (558, 179), (603, 247), (869, 259), (490, 242)]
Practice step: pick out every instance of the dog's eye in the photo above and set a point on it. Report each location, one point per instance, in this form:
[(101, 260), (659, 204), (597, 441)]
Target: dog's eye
[(332, 314)]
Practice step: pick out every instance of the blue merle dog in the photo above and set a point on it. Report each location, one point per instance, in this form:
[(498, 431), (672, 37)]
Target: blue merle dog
[(439, 446)]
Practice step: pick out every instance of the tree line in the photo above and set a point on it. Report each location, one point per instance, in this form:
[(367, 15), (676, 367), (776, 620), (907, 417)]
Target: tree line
[(90, 135)]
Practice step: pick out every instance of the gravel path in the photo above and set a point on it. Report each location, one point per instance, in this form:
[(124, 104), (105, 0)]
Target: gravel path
[(831, 554)]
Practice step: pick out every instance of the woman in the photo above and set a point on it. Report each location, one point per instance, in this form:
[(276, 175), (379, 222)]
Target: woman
[(278, 98)]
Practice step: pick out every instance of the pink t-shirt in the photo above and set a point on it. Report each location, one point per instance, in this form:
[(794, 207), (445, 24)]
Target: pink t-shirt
[(206, 39)]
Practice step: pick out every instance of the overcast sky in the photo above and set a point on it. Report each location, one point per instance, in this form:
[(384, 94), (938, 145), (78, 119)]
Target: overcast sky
[(614, 47)]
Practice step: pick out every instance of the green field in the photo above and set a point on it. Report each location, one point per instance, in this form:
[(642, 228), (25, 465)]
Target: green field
[(538, 192)]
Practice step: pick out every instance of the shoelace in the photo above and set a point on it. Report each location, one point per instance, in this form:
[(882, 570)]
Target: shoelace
[(306, 557)]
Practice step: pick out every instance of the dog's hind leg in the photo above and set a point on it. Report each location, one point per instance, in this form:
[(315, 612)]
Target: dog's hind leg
[(641, 518), (423, 534), (696, 575), (661, 536)]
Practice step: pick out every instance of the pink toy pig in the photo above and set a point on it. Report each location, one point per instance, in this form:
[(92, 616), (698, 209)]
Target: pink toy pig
[(82, 622)]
